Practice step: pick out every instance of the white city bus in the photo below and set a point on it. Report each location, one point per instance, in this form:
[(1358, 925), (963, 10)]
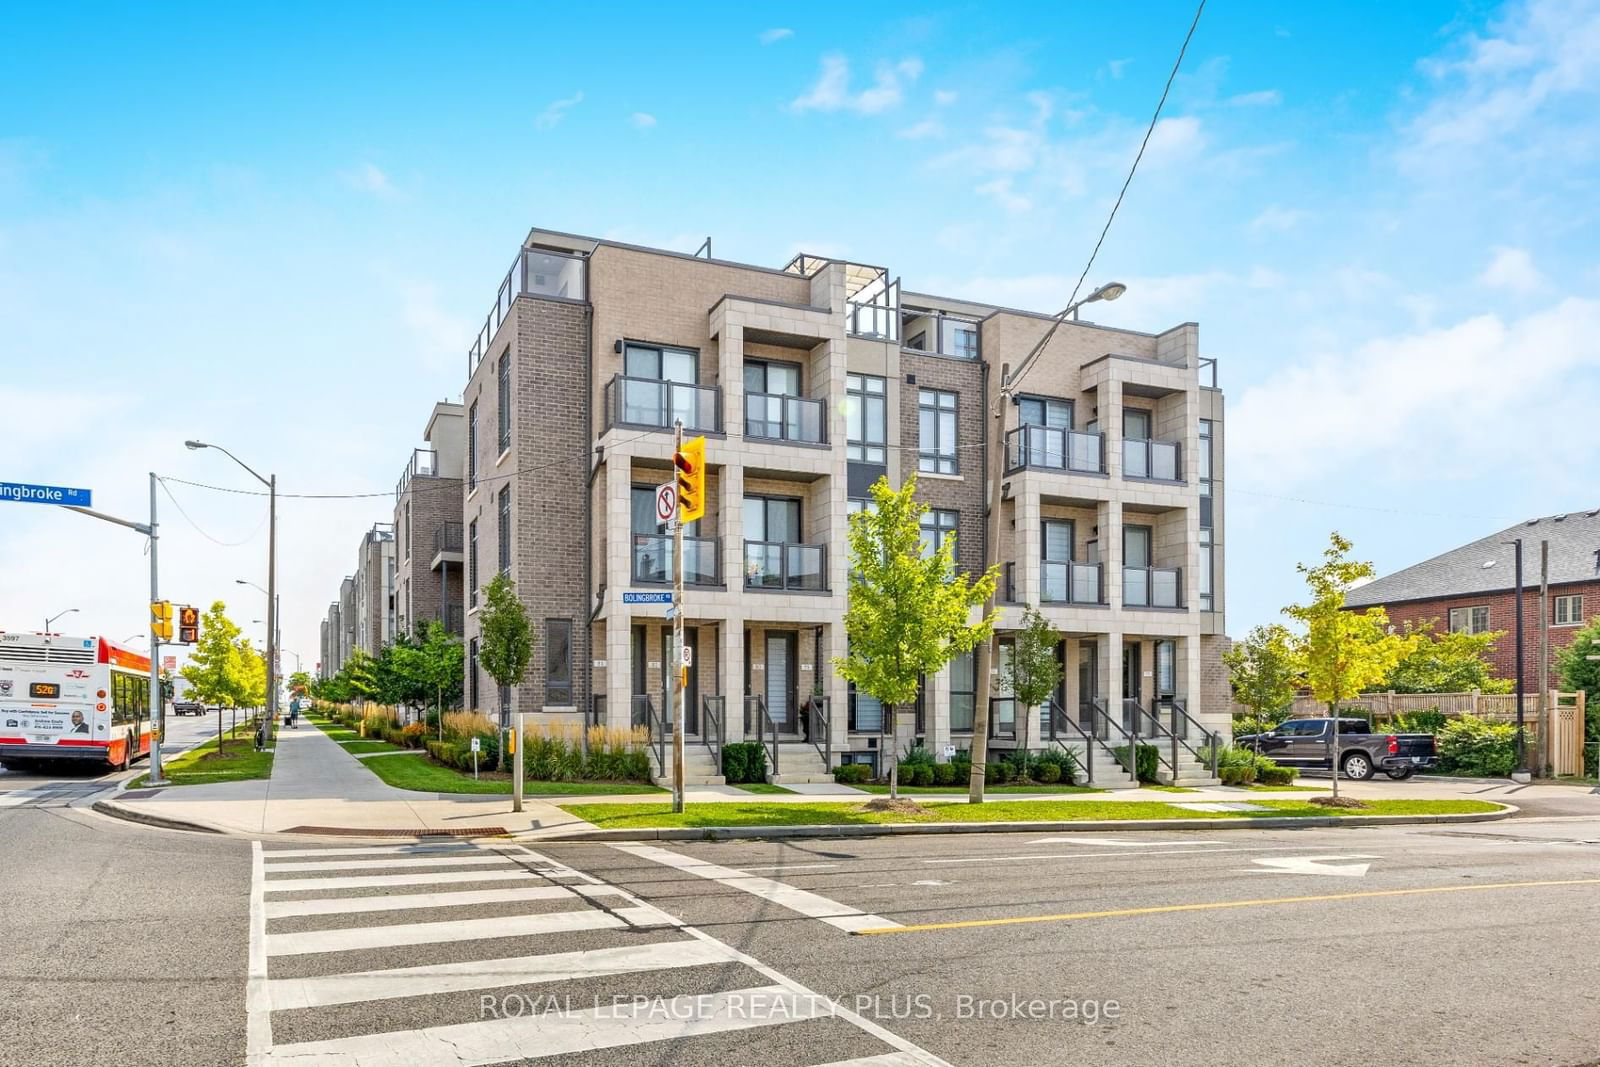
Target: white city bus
[(72, 698)]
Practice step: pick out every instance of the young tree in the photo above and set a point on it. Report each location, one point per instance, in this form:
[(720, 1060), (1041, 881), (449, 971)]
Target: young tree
[(505, 640), (360, 676), (1447, 663), (442, 665), (909, 611), (1264, 670), (1033, 671), (1578, 671), (300, 683), (214, 672), (1345, 652)]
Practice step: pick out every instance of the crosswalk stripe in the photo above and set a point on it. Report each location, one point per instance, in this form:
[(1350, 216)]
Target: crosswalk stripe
[(373, 863), (283, 909), (890, 1059), (323, 990), (806, 903), (370, 850), (550, 1034), (376, 881), (402, 934)]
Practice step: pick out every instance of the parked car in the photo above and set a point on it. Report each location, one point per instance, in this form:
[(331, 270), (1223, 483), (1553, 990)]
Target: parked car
[(1361, 753), (188, 707)]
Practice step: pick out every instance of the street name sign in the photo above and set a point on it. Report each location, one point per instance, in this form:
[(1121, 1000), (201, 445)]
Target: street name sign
[(24, 493), (647, 598)]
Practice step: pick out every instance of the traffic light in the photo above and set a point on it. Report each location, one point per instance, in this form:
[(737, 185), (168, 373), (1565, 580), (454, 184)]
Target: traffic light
[(690, 459), (188, 625), (161, 619)]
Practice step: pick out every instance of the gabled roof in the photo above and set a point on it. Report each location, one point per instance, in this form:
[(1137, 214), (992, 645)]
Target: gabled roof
[(1489, 564)]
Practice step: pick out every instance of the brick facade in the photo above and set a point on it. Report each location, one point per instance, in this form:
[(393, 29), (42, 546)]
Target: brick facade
[(1503, 617), (420, 590), (965, 492)]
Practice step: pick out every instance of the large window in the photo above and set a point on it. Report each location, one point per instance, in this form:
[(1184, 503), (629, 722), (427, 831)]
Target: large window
[(660, 363), (959, 339), (472, 447), (472, 563), (558, 661), (1567, 611), (772, 518), (505, 529), (937, 524), (1473, 620), (936, 423), (1045, 411), (866, 418), (963, 693), (504, 397), (472, 674), (1207, 520)]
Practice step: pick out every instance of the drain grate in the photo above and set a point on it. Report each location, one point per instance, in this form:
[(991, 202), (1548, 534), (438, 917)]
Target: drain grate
[(362, 831)]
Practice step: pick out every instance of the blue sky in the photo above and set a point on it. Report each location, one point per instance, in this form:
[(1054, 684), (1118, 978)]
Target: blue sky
[(280, 229)]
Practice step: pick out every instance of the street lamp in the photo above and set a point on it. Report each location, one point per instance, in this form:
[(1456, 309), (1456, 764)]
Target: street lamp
[(271, 483), (991, 542), (1521, 773), (53, 618)]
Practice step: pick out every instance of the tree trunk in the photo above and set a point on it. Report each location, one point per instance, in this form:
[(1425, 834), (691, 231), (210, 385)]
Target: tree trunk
[(894, 753), (1333, 746)]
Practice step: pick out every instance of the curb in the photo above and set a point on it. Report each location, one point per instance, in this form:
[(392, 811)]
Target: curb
[(114, 810), (733, 833)]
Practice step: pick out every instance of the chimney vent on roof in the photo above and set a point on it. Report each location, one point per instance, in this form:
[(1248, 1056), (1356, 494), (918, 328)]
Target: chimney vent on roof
[(1558, 518), (1531, 522)]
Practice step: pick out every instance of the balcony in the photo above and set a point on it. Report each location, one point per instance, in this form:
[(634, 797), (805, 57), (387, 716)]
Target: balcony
[(778, 566), (536, 272), (453, 619), (652, 560), (772, 417), (1061, 582), (446, 545), (654, 404), (1055, 448), (1158, 461), (424, 464), (1152, 587)]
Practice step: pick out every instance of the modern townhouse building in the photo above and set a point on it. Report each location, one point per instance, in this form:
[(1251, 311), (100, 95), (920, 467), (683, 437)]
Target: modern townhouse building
[(333, 657), (809, 382), (427, 525), (322, 651), (347, 618), (374, 589)]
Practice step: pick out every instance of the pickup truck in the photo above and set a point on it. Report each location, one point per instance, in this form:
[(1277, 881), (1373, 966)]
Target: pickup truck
[(1304, 743), (188, 707)]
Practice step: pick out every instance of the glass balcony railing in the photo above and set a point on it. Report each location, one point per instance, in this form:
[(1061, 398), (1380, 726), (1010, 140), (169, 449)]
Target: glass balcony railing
[(536, 272), (424, 464), (652, 559), (1061, 582), (1156, 460), (656, 403), (1152, 587), (1055, 448), (785, 418), (780, 566)]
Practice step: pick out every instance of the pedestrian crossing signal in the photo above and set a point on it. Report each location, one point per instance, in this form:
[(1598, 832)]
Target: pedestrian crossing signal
[(188, 625), (161, 619), (690, 460)]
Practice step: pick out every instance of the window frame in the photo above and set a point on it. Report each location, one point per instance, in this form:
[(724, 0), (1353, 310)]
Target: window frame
[(1471, 617), (858, 394), (503, 400), (935, 459), (472, 563), (472, 446), (1573, 617), (941, 523), (503, 516), (558, 682)]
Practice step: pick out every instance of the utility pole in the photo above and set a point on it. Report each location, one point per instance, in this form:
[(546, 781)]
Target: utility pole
[(1521, 773), (1545, 716), (678, 671), (272, 606)]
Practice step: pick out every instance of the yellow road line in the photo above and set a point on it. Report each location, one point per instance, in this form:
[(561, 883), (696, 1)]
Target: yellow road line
[(1214, 905)]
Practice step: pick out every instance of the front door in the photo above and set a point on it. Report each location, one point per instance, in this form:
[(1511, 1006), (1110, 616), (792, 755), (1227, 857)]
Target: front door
[(641, 679), (691, 637), (1088, 685), (1132, 672), (1167, 687), (779, 683)]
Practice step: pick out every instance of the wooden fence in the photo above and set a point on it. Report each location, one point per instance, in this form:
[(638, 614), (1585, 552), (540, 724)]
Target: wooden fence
[(1559, 748)]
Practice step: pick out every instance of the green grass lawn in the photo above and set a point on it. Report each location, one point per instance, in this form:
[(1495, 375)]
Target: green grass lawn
[(204, 765), (354, 747), (961, 790), (1286, 788), (427, 776), (762, 787), (632, 816)]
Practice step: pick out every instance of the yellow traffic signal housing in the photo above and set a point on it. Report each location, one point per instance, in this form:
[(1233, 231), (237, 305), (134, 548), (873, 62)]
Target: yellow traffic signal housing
[(690, 460), (161, 619)]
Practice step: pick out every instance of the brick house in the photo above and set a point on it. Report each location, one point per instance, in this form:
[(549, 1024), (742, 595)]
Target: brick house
[(1473, 589)]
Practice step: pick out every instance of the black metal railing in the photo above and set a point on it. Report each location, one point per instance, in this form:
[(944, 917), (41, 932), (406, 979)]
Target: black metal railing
[(781, 565), (1143, 724), (819, 728), (1060, 728), (755, 710), (641, 710), (1056, 448), (595, 715), (424, 464), (1152, 587), (454, 618), (652, 559), (655, 403), (1154, 460), (1062, 582), (447, 537), (713, 727), (776, 417), (535, 272)]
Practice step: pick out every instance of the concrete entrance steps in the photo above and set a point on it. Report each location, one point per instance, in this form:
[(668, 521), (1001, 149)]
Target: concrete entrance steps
[(698, 766), (799, 763), (1191, 772)]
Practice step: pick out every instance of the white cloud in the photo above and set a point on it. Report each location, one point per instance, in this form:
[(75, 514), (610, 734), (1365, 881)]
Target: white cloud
[(1426, 393), (1277, 219), (368, 178), (773, 36), (1175, 140), (557, 110), (642, 120), (831, 91), (944, 97), (999, 190), (1511, 269), (1261, 98), (1115, 67), (922, 130)]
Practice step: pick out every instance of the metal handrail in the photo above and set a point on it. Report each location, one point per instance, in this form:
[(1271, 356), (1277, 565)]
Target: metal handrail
[(1101, 715), (640, 710), (818, 707), (713, 723), (758, 703), (1058, 718), (658, 732), (791, 423), (1209, 760), (665, 406), (1158, 730)]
